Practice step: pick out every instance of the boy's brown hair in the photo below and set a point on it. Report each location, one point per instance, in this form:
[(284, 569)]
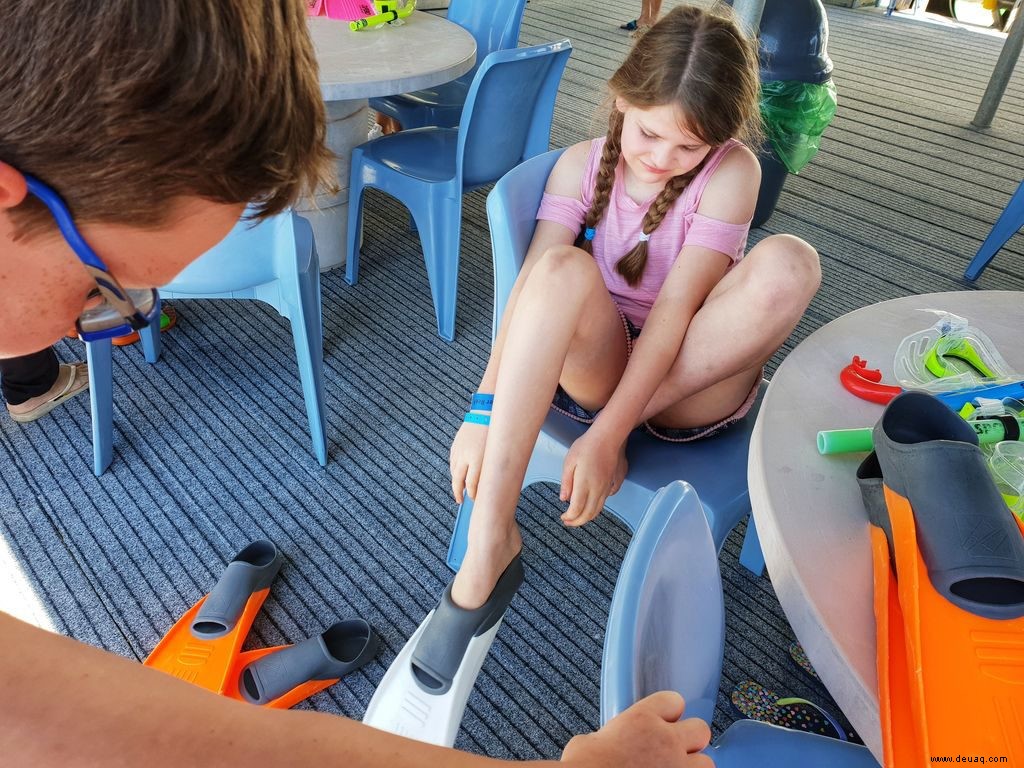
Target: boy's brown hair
[(699, 61), (122, 105)]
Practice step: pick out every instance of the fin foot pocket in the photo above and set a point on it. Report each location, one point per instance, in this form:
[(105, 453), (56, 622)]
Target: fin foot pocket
[(444, 641)]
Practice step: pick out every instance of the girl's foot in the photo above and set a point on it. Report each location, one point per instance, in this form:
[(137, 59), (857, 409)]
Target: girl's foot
[(480, 570)]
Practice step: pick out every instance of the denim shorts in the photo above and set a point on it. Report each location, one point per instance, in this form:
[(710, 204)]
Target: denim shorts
[(565, 405)]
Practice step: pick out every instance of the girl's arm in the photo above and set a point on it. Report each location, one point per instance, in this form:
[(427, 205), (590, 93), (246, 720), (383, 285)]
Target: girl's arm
[(730, 196)]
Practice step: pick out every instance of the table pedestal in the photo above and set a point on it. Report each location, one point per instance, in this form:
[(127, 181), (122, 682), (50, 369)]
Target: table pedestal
[(347, 126)]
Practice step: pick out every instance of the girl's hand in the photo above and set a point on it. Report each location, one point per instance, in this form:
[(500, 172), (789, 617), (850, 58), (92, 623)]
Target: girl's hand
[(594, 469), (649, 733), (465, 459)]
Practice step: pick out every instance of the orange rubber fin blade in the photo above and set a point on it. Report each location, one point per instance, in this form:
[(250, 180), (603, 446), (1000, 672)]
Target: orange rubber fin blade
[(206, 663), (958, 574), (895, 712), (202, 646)]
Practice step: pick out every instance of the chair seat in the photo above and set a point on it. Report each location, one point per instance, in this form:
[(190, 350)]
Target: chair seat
[(427, 154), (451, 95), (716, 467)]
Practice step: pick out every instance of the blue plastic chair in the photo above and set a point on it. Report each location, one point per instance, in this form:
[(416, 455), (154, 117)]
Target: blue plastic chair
[(716, 467), (1009, 221), (274, 261), (666, 631), (495, 27), (506, 119)]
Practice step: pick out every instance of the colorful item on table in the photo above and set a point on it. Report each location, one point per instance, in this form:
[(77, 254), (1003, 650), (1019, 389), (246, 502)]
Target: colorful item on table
[(344, 10), (865, 383), (949, 599), (387, 12), (989, 431), (950, 355)]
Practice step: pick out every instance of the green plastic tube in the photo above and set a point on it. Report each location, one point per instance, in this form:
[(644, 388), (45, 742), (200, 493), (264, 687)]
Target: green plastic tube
[(850, 440)]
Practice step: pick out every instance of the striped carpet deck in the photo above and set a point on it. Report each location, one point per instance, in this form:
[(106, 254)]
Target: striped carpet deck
[(211, 446)]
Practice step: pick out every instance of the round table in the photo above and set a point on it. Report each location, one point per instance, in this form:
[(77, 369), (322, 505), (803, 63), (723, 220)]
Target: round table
[(807, 507), (424, 51)]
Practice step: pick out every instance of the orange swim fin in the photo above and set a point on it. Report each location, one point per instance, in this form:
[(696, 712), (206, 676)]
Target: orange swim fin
[(949, 591), (203, 645), (282, 676)]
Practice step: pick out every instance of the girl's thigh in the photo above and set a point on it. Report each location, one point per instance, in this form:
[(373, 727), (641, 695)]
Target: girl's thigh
[(598, 352)]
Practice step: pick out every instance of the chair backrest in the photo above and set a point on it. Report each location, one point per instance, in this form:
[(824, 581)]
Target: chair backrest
[(507, 115), (666, 624), (494, 25), (512, 217), (251, 254)]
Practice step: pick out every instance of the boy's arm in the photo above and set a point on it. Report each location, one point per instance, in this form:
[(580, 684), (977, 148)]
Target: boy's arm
[(65, 703)]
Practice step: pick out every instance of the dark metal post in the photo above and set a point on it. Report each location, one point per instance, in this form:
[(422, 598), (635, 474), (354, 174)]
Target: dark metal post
[(1000, 75)]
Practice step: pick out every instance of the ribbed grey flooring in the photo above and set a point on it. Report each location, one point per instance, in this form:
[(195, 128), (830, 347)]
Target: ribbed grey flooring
[(212, 451)]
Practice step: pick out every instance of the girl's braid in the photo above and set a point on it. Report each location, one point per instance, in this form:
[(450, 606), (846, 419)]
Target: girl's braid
[(631, 266), (605, 177)]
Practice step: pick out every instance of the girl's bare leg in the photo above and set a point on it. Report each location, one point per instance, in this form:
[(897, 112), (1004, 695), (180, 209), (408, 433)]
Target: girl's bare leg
[(650, 10), (564, 318), (743, 322)]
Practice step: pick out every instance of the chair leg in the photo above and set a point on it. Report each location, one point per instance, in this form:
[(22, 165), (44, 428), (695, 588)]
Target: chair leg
[(150, 336), (101, 401), (1006, 226), (751, 556), (354, 235), (307, 332), (440, 235)]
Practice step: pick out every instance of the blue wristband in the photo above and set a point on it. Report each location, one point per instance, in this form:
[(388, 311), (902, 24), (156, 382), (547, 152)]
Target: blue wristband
[(482, 402), (478, 418)]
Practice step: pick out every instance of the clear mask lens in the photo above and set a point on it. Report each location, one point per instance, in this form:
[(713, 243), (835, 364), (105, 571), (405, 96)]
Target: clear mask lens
[(106, 321)]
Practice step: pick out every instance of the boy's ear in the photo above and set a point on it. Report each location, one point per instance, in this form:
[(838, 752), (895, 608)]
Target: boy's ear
[(13, 187)]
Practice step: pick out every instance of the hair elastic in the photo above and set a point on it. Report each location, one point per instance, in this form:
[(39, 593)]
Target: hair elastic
[(644, 237), (589, 233)]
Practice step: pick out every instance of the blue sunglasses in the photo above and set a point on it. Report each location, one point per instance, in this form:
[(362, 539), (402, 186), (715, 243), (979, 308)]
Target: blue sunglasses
[(122, 311)]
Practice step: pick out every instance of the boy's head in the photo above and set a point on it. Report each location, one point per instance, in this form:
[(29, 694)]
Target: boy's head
[(149, 117)]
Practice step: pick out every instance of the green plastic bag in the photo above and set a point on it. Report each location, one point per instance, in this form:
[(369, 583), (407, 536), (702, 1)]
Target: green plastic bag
[(795, 114)]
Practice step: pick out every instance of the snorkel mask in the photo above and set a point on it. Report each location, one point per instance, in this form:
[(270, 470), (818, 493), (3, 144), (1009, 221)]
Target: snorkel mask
[(121, 311)]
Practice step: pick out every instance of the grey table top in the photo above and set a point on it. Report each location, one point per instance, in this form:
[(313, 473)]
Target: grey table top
[(426, 50), (807, 507)]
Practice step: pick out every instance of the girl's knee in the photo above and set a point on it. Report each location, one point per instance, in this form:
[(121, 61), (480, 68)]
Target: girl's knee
[(787, 271), (566, 266)]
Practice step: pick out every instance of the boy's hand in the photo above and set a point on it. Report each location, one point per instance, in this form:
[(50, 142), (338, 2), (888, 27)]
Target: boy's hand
[(465, 459), (594, 469), (645, 735)]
